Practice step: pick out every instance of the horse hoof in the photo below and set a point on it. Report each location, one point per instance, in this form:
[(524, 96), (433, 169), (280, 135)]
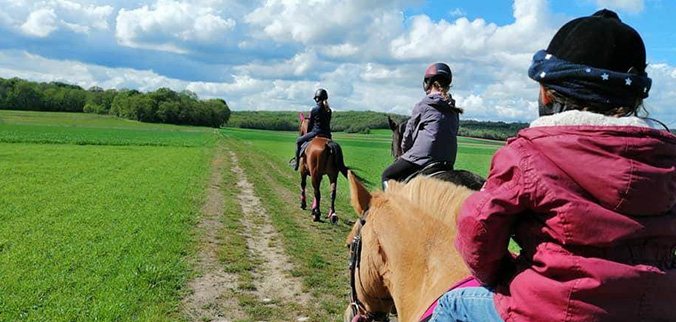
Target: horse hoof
[(303, 206), (333, 218)]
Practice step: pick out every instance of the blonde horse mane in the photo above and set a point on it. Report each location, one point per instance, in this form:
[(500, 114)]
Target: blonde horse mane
[(423, 269), (437, 198)]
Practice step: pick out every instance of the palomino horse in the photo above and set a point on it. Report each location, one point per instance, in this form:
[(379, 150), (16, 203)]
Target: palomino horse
[(321, 157), (461, 177), (406, 257)]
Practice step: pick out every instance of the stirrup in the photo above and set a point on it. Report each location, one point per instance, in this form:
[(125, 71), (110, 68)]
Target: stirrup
[(385, 185)]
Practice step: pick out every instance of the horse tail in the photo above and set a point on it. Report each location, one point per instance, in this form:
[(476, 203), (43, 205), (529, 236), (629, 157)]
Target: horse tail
[(337, 154)]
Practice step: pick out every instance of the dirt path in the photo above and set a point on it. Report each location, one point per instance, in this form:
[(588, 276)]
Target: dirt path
[(211, 297), (273, 281)]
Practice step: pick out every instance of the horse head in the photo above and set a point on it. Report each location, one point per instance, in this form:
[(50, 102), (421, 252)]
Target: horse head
[(304, 121), (382, 271), (397, 136), (370, 300)]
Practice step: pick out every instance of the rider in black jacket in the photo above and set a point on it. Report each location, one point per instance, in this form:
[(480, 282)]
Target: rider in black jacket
[(319, 123)]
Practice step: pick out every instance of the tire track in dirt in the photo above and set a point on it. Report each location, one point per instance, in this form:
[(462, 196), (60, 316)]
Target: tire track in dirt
[(272, 279), (211, 297)]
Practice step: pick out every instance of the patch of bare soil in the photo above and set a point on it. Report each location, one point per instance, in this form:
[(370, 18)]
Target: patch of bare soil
[(273, 280), (211, 297)]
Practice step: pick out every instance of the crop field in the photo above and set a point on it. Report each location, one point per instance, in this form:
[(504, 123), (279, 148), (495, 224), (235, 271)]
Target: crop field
[(105, 219)]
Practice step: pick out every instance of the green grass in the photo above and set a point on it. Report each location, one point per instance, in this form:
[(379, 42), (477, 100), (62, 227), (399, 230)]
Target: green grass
[(89, 129), (369, 154), (97, 232), (317, 249), (98, 215), (41, 134), (85, 120)]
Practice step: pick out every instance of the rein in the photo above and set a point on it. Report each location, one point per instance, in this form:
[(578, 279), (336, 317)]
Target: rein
[(355, 263)]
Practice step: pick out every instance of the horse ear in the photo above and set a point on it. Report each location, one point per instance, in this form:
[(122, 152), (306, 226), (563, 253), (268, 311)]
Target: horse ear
[(359, 196), (393, 126)]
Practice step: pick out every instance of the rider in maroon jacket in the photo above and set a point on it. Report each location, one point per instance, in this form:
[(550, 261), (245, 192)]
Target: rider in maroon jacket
[(588, 192)]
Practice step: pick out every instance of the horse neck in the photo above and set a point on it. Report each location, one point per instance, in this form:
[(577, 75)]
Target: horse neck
[(303, 127), (421, 261)]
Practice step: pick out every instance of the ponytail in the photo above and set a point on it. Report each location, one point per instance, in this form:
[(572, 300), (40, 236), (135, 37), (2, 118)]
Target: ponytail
[(443, 90), (325, 104)]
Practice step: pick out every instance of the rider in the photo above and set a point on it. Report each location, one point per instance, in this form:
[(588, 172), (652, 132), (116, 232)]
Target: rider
[(588, 192), (319, 122), (430, 134)]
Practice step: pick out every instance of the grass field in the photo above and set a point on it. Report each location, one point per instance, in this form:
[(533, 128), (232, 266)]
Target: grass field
[(96, 232), (98, 216)]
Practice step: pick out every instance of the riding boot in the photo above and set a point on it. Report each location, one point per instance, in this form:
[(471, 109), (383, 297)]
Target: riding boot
[(296, 164)]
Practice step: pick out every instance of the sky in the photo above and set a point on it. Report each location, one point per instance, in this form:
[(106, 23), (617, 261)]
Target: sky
[(273, 54)]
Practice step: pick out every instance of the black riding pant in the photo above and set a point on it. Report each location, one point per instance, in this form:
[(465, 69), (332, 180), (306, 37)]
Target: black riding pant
[(302, 139), (399, 170)]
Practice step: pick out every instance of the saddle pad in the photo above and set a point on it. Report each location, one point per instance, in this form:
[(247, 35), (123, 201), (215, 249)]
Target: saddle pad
[(466, 282), (303, 147)]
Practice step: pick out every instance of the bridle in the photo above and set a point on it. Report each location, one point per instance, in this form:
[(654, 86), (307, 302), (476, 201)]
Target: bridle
[(355, 262)]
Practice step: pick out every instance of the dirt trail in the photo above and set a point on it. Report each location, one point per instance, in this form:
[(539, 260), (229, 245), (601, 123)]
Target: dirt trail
[(273, 281), (211, 297)]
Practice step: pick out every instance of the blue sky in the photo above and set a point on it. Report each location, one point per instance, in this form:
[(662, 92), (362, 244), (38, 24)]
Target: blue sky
[(271, 55)]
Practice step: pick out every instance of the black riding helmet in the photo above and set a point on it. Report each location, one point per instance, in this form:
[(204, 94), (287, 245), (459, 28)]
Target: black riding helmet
[(437, 72), (321, 95), (601, 40)]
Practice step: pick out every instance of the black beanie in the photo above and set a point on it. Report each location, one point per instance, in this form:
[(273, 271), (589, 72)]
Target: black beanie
[(601, 40)]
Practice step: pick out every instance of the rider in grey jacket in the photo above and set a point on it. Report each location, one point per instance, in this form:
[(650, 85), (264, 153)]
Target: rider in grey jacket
[(431, 133)]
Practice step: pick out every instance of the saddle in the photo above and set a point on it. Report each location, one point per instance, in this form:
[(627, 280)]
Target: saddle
[(444, 171), (431, 169), (307, 143)]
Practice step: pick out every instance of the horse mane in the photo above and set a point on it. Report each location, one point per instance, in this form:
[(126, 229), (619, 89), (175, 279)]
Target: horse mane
[(437, 198)]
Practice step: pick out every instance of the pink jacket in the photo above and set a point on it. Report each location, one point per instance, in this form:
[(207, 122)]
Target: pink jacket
[(593, 209)]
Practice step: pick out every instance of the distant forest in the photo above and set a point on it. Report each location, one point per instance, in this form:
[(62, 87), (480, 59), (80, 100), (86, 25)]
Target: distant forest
[(161, 106), (364, 122), (167, 106)]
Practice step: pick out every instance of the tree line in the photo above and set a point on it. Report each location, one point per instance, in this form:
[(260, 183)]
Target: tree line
[(161, 106), (364, 122), (350, 121)]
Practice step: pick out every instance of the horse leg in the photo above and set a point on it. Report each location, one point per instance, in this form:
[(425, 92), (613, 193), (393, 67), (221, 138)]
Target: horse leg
[(303, 183), (333, 218), (316, 184)]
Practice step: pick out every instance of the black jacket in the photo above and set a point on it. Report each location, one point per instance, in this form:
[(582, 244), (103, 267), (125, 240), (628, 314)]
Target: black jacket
[(320, 121)]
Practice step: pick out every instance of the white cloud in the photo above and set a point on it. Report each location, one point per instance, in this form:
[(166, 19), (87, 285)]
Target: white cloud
[(366, 53), (457, 12), (40, 23), (465, 39), (170, 25), (633, 6), (42, 18), (321, 21), (300, 65), (660, 104), (489, 61)]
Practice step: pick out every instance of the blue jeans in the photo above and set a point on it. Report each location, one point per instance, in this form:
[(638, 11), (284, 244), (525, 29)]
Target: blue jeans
[(466, 304)]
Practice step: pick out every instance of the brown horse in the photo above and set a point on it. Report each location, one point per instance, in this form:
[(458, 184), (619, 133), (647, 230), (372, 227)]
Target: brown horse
[(321, 157), (406, 257)]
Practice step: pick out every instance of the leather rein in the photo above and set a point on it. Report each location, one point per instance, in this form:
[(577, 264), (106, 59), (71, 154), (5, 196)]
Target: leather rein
[(355, 262)]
